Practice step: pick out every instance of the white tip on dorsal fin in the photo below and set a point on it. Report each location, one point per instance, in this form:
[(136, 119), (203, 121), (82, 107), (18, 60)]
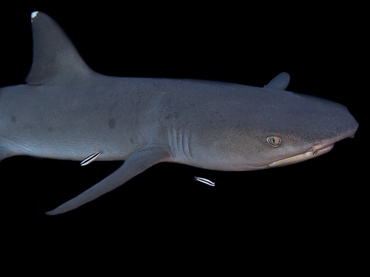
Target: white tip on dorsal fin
[(33, 15), (54, 56), (281, 81)]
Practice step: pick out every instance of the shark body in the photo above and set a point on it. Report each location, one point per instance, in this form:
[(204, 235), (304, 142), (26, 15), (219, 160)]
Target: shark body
[(67, 111)]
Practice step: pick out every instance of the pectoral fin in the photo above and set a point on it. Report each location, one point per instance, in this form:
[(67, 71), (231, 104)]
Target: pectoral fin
[(134, 165)]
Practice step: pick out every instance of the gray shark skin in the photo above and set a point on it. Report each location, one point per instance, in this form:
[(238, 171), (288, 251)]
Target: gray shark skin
[(67, 111)]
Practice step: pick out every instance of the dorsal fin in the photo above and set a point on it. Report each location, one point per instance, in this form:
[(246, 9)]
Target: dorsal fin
[(55, 59), (281, 81)]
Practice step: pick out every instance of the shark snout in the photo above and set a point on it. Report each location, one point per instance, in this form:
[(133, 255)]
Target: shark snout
[(350, 133), (317, 149)]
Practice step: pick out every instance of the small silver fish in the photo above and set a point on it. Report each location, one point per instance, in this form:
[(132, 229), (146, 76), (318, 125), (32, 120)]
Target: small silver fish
[(90, 159), (205, 181)]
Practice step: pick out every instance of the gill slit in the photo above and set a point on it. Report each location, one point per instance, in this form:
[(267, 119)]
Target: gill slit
[(178, 140)]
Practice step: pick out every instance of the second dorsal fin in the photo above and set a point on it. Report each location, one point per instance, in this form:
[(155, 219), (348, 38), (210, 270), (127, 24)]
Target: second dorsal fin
[(55, 59), (281, 81)]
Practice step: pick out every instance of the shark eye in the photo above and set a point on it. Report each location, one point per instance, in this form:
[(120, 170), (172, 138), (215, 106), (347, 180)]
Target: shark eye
[(274, 141)]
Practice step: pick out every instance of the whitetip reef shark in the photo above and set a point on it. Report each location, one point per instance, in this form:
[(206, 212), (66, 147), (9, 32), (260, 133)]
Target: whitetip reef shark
[(67, 111)]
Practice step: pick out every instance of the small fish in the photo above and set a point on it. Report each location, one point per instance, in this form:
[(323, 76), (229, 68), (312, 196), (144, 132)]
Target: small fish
[(205, 181), (90, 159)]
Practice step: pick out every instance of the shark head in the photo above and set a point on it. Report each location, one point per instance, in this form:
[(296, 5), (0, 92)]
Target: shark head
[(272, 127), (307, 129), (311, 130)]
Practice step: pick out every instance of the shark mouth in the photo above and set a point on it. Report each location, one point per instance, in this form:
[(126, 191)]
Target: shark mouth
[(315, 151)]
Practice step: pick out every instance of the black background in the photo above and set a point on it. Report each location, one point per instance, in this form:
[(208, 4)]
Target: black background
[(318, 205)]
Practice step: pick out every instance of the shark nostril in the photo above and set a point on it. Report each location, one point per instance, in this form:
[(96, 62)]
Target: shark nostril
[(320, 149), (312, 150)]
